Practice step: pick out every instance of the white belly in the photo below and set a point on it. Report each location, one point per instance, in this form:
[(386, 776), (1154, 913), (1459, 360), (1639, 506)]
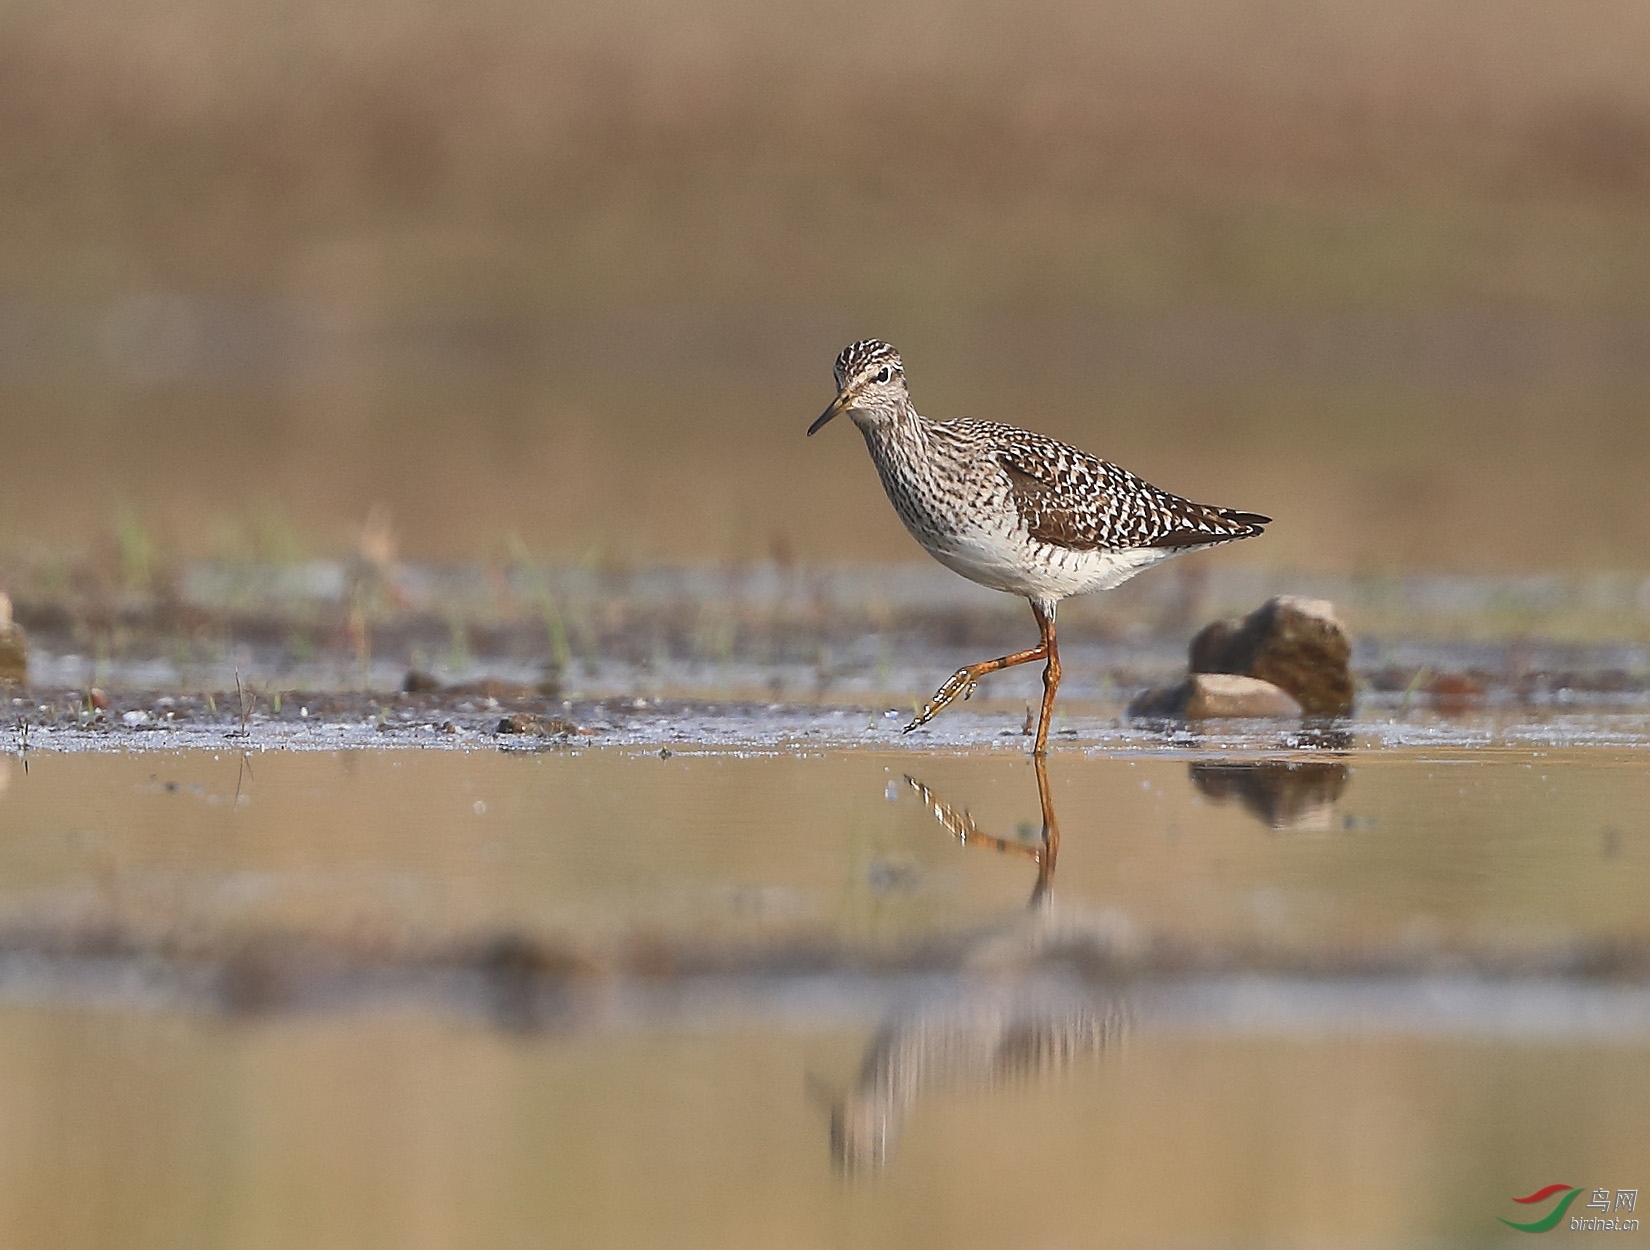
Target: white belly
[(1039, 571)]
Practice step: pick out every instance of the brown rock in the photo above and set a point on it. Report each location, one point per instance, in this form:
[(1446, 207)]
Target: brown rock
[(538, 726), (1215, 696), (1297, 644)]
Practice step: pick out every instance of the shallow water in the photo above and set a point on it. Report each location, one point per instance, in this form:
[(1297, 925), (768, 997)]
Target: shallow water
[(597, 997)]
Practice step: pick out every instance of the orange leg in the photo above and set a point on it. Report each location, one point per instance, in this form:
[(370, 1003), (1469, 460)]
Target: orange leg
[(1051, 683), (962, 682)]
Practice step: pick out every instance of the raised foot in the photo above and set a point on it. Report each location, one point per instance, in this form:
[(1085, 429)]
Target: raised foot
[(957, 686)]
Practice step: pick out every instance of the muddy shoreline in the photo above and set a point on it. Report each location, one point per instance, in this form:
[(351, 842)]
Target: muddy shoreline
[(781, 634), (519, 720)]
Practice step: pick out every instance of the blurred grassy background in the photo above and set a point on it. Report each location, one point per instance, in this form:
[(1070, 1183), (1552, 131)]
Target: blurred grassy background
[(577, 274)]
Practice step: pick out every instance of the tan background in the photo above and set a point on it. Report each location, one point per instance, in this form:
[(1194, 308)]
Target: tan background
[(577, 276)]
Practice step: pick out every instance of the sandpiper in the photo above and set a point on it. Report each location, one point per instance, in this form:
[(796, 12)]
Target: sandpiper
[(1014, 510)]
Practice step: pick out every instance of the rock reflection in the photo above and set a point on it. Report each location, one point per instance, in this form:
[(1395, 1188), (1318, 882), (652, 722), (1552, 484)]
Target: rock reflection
[(1282, 794), (1010, 1032)]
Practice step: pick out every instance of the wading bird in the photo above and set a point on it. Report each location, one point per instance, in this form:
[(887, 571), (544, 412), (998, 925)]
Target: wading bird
[(1014, 510)]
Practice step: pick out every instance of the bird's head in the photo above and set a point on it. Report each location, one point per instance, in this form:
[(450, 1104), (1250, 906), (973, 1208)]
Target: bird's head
[(870, 384)]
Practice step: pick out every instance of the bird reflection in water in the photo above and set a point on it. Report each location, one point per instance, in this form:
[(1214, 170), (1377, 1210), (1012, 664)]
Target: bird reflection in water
[(1011, 1030)]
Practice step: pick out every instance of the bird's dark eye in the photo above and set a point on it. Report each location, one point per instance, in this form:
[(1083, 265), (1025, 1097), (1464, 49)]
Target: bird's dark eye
[(882, 374)]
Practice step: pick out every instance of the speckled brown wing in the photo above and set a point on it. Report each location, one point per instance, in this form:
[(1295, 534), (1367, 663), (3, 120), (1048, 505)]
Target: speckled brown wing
[(1068, 498), (1048, 510)]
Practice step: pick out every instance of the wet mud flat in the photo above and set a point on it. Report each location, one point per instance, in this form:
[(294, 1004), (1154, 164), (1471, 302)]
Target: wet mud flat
[(333, 655), (505, 716), (771, 633)]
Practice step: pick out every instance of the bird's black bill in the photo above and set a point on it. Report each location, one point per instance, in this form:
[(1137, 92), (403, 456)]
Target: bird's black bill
[(836, 407)]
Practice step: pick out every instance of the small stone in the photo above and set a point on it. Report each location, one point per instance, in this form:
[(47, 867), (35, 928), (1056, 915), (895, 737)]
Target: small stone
[(1297, 644), (418, 682), (1215, 696), (98, 698), (538, 726)]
